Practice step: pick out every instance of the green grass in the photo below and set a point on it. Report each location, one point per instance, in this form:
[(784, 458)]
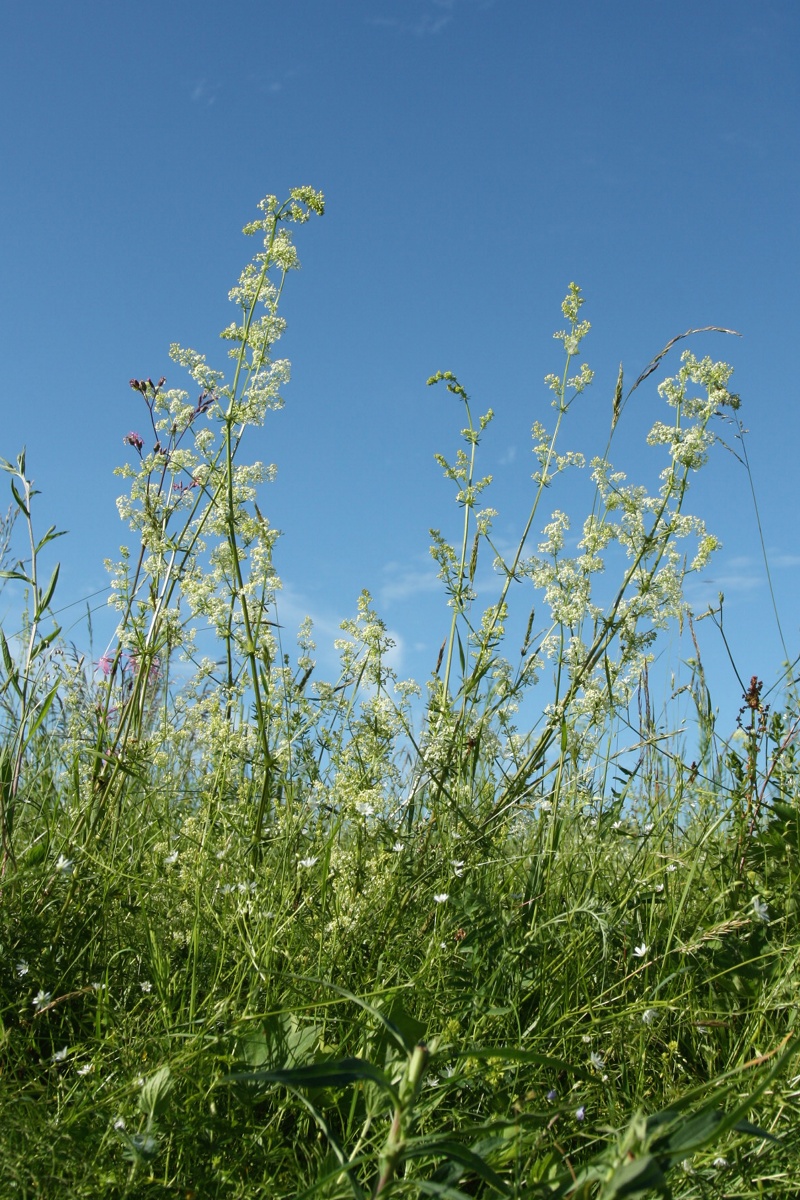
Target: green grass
[(267, 936)]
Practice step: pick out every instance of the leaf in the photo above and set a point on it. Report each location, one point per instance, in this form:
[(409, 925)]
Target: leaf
[(636, 1178), (319, 1075), (47, 596), (44, 642), (153, 1096), (20, 502), (617, 401), (516, 1054), (453, 1151), (257, 1048), (400, 1026), (50, 536), (691, 1135), (754, 1131), (10, 666), (44, 708)]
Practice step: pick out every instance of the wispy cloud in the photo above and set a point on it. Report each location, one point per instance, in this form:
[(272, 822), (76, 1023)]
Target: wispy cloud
[(404, 580), (203, 93), (425, 18)]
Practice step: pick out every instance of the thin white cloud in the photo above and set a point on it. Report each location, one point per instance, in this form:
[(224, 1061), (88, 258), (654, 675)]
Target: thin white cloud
[(427, 17), (404, 581), (203, 93)]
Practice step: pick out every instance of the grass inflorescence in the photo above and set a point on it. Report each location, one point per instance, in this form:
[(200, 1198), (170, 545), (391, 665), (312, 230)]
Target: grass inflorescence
[(266, 935)]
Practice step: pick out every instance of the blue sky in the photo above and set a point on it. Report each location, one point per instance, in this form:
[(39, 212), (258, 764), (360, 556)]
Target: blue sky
[(476, 156)]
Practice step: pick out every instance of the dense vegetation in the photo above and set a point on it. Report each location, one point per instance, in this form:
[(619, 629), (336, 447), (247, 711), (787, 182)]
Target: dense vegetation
[(264, 935)]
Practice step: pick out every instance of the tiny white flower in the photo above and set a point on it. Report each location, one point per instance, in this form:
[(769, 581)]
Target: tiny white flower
[(458, 868), (64, 865), (119, 1123), (586, 1039), (398, 847), (639, 951), (86, 1069), (171, 859), (441, 897), (41, 999), (672, 867), (22, 968), (648, 1016), (307, 862), (760, 909), (659, 887), (146, 986), (596, 1060), (60, 1055), (616, 825), (721, 1163)]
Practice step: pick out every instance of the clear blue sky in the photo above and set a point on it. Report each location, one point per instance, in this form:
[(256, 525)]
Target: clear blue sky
[(476, 156)]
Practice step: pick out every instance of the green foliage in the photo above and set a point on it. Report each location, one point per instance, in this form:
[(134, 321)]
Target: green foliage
[(269, 935)]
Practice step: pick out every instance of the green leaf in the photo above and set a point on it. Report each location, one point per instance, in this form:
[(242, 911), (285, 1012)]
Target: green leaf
[(453, 1151), (50, 536), (754, 1131), (47, 596), (44, 642), (44, 708), (20, 502), (691, 1135), (9, 664), (635, 1179), (516, 1054), (319, 1075), (401, 1026), (153, 1096)]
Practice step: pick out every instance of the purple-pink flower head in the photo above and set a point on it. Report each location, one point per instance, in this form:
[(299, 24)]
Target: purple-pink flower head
[(134, 439), (105, 663)]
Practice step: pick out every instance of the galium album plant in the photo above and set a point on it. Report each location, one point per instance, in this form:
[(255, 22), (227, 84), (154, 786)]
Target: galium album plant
[(271, 935)]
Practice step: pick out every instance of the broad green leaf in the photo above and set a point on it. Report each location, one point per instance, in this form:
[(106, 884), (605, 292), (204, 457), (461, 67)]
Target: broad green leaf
[(155, 1089), (319, 1075), (636, 1179)]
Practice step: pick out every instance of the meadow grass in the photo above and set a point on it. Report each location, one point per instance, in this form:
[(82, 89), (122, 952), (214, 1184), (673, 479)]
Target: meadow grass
[(269, 936)]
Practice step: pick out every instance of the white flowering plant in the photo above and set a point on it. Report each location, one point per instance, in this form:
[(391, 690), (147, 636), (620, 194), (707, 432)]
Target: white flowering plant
[(273, 934)]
